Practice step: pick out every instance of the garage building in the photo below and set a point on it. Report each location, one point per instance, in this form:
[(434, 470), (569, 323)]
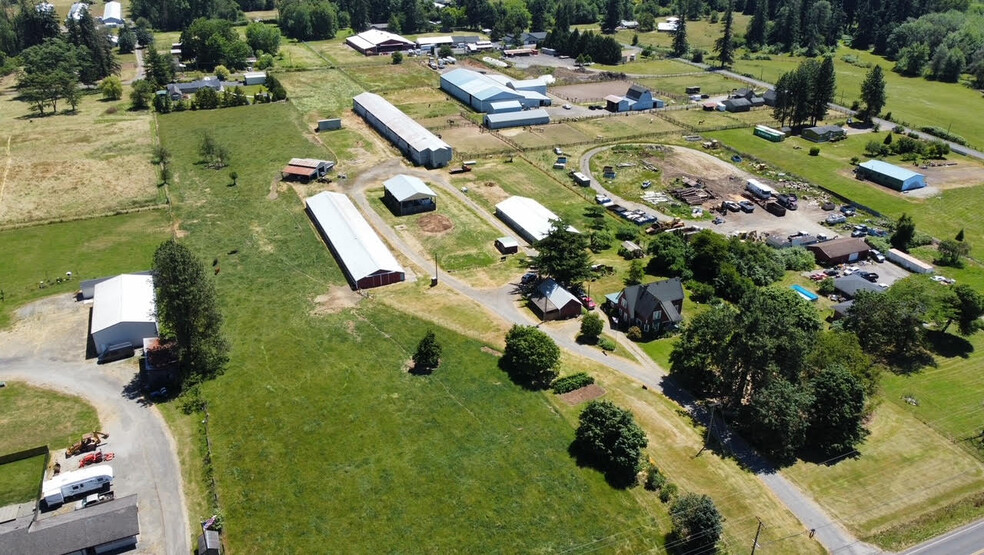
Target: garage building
[(824, 133), (109, 527), (360, 252), (123, 311), (839, 251), (636, 98), (374, 42), (415, 142), (528, 217), (517, 119), (890, 175), (553, 302), (406, 194)]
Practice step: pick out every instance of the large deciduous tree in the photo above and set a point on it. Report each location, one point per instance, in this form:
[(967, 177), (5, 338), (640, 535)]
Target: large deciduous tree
[(188, 312), (609, 438), (697, 524), (837, 412), (776, 419), (531, 357)]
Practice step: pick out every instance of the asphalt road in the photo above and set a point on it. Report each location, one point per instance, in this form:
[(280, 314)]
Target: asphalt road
[(46, 348), (968, 540)]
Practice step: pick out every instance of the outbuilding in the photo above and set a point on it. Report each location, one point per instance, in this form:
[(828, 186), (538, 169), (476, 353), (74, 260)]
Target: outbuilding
[(528, 217), (824, 133), (524, 118), (254, 78), (415, 142), (306, 169), (329, 124), (375, 41), (909, 262), (406, 194), (507, 245), (209, 543), (839, 251), (737, 105), (494, 93), (112, 14), (553, 302), (636, 98), (109, 527), (123, 311), (850, 286), (890, 175), (361, 254)]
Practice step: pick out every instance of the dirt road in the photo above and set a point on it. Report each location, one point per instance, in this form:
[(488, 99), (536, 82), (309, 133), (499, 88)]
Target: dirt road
[(46, 348)]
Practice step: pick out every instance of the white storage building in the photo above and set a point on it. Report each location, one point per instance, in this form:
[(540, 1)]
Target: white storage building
[(123, 311), (112, 15), (375, 41), (361, 254), (909, 262), (528, 217), (417, 143)]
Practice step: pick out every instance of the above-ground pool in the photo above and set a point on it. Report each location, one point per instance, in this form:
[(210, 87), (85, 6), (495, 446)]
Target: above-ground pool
[(805, 293)]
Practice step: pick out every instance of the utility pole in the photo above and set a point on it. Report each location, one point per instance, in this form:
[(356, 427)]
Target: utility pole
[(757, 532), (710, 426)]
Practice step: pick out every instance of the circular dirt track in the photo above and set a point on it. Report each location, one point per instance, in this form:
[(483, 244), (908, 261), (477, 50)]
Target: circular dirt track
[(435, 223)]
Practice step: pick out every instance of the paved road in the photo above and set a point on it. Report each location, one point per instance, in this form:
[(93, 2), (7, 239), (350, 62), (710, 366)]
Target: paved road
[(46, 348), (967, 540), (503, 302)]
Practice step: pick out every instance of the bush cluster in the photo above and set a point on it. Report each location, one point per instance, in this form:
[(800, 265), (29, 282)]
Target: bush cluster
[(571, 383)]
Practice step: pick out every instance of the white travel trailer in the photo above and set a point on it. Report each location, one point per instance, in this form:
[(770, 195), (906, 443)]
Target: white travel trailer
[(77, 482), (759, 189)]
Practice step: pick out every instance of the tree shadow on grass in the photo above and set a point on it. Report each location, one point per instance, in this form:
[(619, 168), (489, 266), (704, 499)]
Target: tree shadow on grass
[(949, 345)]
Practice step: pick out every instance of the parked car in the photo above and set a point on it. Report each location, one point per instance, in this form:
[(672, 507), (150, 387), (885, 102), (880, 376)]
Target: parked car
[(834, 219), (746, 206), (859, 233), (647, 184), (877, 255), (528, 277), (588, 302), (848, 210), (568, 106), (870, 276), (732, 205), (718, 220), (832, 272)]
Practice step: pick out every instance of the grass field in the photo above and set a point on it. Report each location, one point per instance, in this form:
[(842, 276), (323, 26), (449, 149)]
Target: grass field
[(702, 120), (616, 127), (628, 181), (467, 245), (90, 248), (911, 99), (406, 453), (709, 83), (320, 93), (93, 161), (941, 216), (472, 140), (411, 74), (21, 480), (546, 136), (66, 418), (700, 34)]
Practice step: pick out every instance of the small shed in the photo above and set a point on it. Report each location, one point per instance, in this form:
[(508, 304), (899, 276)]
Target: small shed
[(209, 543), (507, 245), (737, 105), (406, 194), (632, 250), (824, 133), (306, 169), (553, 302), (254, 78), (329, 124)]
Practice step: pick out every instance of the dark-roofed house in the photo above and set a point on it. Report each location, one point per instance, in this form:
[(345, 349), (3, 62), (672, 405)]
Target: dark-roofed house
[(306, 168), (839, 251), (553, 302), (177, 90), (769, 97), (652, 306), (737, 105), (102, 528), (747, 94), (406, 194), (824, 133), (841, 309), (851, 285)]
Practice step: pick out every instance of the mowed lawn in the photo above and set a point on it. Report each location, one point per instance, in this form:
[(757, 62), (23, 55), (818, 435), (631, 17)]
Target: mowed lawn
[(914, 100), (321, 440), (21, 480), (90, 248), (942, 216)]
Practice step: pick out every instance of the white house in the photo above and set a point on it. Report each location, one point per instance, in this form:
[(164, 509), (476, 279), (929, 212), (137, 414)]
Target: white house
[(123, 311)]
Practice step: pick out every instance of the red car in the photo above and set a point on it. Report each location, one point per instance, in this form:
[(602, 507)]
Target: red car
[(588, 302)]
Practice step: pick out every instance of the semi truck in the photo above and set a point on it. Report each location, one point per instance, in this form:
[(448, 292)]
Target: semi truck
[(79, 482)]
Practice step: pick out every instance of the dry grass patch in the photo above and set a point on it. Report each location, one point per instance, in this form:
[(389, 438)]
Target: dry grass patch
[(70, 165), (472, 139)]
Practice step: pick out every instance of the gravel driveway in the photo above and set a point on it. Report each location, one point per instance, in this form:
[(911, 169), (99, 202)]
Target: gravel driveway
[(46, 347)]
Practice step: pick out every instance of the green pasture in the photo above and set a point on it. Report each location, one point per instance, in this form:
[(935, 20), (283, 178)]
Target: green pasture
[(21, 480), (616, 127), (628, 180), (320, 93), (411, 74), (89, 248), (66, 418), (709, 82)]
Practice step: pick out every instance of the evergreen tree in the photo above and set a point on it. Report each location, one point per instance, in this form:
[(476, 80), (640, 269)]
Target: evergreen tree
[(680, 46), (33, 24), (359, 15), (782, 111), (873, 93), (428, 354), (563, 255), (613, 16), (905, 230), (725, 45), (824, 88), (755, 35), (696, 524), (188, 312), (127, 40), (531, 357)]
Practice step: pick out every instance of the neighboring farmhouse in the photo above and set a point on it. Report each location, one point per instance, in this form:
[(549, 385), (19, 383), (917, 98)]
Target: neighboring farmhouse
[(651, 307)]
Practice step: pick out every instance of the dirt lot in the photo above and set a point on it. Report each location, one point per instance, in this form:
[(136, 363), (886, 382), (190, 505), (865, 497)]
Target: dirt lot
[(471, 139), (961, 174), (93, 161), (591, 92)]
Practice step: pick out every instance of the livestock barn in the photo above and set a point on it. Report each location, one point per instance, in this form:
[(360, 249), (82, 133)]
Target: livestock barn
[(415, 142), (374, 42), (406, 194), (528, 217), (890, 175), (123, 311), (361, 254)]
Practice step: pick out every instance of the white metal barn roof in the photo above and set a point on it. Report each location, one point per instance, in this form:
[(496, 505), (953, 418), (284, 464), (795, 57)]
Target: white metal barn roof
[(415, 135), (124, 298), (407, 187), (112, 13), (529, 215), (374, 37), (354, 240)]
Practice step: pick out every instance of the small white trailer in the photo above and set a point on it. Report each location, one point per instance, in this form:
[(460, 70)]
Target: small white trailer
[(759, 189), (86, 480)]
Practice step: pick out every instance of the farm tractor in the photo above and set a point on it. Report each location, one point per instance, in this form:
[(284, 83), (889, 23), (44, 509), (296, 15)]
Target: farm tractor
[(96, 458), (89, 442)]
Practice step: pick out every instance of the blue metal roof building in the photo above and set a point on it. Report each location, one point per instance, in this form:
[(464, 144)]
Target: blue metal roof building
[(517, 119), (890, 175), (485, 94)]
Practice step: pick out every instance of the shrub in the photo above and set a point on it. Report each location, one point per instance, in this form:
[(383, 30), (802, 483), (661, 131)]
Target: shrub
[(855, 160), (815, 151), (634, 334), (898, 129), (591, 328), (397, 58), (606, 344), (668, 492), (856, 105), (626, 233), (608, 438), (826, 287), (698, 56), (221, 72), (571, 383), (111, 88), (654, 479), (944, 134), (700, 292)]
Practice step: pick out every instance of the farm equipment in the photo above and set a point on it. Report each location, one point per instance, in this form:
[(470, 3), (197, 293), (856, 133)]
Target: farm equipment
[(96, 458), (463, 169), (665, 225), (89, 442)]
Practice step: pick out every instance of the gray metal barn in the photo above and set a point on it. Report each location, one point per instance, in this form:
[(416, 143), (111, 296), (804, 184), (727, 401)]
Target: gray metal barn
[(415, 142)]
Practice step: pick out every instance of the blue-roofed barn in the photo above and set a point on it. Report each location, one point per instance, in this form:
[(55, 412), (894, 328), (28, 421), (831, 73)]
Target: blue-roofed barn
[(406, 194), (890, 175), (517, 119), (485, 93)]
